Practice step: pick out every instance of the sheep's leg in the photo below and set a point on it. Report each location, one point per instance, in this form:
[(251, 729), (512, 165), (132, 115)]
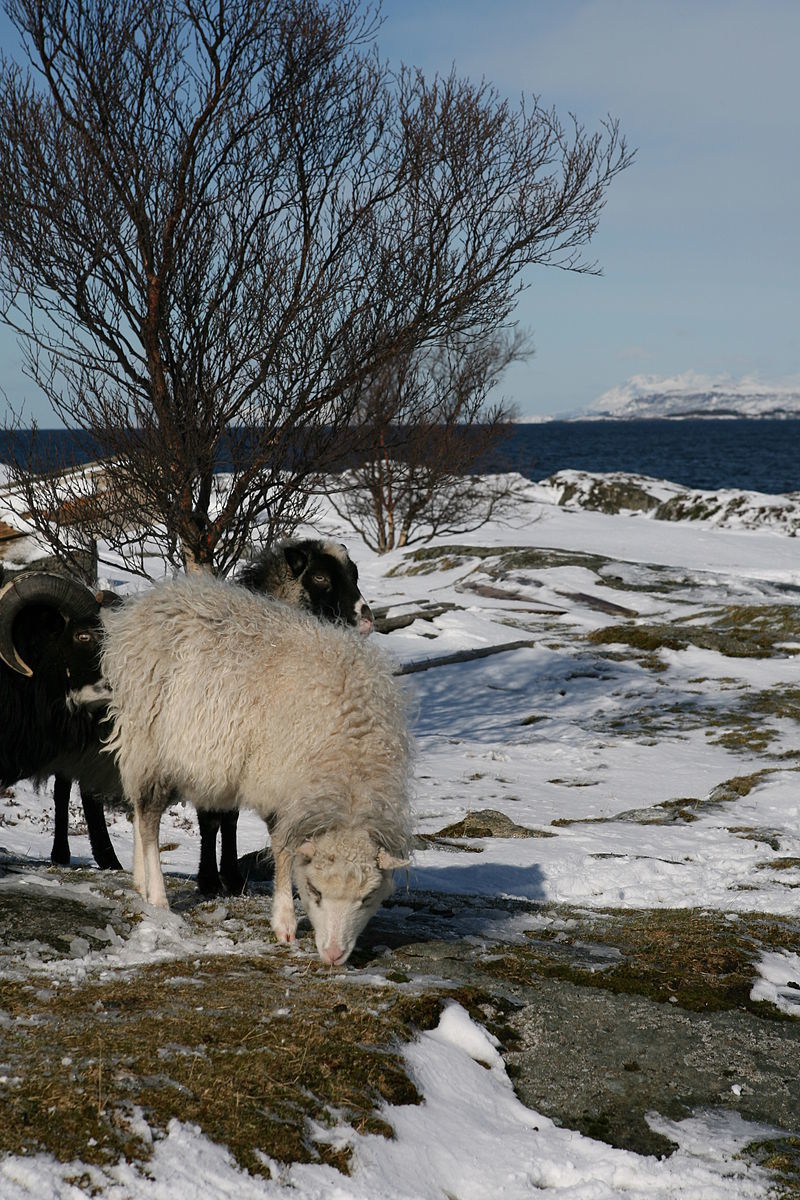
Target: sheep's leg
[(229, 854), (208, 880), (102, 849), (138, 855), (149, 823), (147, 875), (59, 855), (284, 923)]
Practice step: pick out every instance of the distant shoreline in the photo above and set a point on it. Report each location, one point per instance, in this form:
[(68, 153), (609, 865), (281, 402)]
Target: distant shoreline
[(721, 414)]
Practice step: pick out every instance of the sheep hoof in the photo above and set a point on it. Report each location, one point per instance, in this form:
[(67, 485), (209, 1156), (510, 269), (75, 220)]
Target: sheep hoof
[(284, 926), (108, 862), (235, 885), (208, 886)]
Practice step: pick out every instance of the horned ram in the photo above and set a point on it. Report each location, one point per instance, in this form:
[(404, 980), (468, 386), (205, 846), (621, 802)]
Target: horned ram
[(231, 700), (50, 630)]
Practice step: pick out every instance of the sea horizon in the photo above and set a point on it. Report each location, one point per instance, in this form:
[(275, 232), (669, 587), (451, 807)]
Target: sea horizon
[(759, 454)]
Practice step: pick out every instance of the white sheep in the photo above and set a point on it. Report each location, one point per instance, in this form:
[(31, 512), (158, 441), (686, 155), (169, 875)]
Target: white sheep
[(232, 700)]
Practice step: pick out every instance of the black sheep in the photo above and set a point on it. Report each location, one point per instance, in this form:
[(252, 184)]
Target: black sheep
[(49, 642)]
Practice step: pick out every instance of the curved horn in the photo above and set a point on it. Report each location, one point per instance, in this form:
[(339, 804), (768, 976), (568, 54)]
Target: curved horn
[(66, 595)]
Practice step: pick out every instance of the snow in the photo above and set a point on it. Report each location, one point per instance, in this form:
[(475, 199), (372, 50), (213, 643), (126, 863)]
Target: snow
[(607, 738), (764, 553), (779, 981)]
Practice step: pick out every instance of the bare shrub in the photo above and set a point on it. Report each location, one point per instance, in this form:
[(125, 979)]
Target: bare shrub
[(217, 221)]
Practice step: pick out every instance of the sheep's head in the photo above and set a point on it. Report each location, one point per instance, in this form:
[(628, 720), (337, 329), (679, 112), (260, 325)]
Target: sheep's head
[(329, 581), (50, 622), (342, 877)]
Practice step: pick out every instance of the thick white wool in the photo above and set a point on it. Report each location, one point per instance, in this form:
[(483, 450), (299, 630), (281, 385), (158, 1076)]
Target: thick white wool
[(236, 700)]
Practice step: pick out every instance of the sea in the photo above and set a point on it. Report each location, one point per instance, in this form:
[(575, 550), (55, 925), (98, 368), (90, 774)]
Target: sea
[(751, 454)]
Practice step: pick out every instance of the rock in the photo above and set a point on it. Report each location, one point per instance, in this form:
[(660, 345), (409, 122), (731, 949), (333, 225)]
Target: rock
[(488, 822)]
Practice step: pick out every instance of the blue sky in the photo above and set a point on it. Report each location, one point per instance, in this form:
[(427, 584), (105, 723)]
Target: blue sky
[(700, 239)]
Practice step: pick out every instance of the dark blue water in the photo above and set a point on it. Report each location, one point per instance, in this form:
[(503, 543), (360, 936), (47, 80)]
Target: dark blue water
[(755, 455)]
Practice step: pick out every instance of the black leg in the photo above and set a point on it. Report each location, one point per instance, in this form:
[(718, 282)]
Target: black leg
[(208, 880), (232, 877), (102, 848), (59, 855)]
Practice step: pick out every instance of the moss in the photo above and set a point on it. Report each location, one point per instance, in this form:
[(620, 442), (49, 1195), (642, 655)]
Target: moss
[(748, 738), (426, 565), (668, 812), (610, 495), (778, 622), (495, 561), (651, 638), (250, 1053), (686, 508), (682, 808), (737, 631), (783, 702), (739, 785), (741, 721), (700, 961), (54, 920), (781, 1158)]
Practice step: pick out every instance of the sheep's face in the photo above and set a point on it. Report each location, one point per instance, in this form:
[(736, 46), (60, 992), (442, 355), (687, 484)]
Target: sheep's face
[(342, 878), (329, 581)]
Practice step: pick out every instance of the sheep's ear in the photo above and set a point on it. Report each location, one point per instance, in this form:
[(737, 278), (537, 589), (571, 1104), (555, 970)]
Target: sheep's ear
[(296, 560), (108, 599), (306, 851), (387, 861)]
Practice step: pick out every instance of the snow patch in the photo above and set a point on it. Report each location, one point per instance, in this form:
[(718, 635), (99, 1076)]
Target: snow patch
[(779, 981)]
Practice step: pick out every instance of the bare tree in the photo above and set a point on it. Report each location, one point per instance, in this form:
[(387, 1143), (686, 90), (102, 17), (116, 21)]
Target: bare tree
[(429, 434), (216, 220)]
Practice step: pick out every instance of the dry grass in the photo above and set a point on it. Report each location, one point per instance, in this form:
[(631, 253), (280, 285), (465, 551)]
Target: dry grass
[(249, 1052), (700, 961)]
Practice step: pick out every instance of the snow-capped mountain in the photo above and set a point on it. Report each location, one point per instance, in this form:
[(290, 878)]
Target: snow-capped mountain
[(694, 395)]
